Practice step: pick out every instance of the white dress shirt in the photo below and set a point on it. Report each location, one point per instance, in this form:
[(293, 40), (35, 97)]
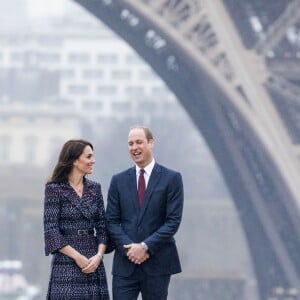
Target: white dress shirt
[(148, 169)]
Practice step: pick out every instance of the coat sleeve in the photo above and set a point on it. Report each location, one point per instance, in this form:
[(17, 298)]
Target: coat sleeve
[(113, 215), (101, 224), (54, 240)]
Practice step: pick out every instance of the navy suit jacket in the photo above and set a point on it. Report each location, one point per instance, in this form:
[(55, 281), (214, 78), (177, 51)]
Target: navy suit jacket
[(155, 222)]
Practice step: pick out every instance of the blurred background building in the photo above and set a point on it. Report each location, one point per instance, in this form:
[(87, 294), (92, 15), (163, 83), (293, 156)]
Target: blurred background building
[(64, 74)]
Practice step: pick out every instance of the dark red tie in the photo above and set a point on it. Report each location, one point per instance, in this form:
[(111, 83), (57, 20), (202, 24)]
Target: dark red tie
[(141, 187)]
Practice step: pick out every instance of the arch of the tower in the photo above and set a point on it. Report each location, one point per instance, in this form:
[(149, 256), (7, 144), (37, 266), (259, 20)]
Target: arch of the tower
[(263, 201)]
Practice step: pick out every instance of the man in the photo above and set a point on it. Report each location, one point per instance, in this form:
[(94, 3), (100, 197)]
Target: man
[(143, 214)]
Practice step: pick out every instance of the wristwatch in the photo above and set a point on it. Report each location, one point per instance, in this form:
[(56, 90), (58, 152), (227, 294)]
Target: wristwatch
[(144, 245)]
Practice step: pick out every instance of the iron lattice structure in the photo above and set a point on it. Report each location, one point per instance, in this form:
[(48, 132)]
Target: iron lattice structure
[(241, 90)]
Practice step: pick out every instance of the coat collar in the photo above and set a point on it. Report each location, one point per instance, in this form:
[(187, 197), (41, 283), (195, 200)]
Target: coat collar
[(86, 204), (69, 193), (153, 181), (132, 187)]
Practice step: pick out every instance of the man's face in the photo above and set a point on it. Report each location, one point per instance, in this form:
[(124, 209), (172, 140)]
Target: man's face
[(140, 149)]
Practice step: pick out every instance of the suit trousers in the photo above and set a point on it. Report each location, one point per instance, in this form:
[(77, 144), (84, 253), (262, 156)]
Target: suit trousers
[(151, 287)]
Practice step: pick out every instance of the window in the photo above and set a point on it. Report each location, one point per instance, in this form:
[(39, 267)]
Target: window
[(92, 105), (107, 90), (5, 144), (134, 90), (78, 89), (160, 91), (147, 75), (30, 148), (92, 74), (49, 57), (17, 57), (107, 58), (133, 59), (120, 74), (67, 73), (79, 58)]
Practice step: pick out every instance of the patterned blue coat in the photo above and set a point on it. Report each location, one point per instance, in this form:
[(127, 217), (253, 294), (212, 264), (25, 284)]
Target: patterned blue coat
[(64, 213)]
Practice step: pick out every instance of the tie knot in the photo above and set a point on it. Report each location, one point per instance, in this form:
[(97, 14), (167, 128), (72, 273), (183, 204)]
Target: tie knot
[(142, 171)]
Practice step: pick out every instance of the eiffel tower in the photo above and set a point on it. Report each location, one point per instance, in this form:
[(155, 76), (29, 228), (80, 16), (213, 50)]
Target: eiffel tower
[(235, 67)]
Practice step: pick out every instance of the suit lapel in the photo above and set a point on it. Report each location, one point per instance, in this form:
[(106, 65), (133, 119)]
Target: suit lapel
[(132, 187), (69, 194), (153, 181)]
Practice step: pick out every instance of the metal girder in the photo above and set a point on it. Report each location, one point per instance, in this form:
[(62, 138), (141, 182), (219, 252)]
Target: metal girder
[(278, 29), (288, 68), (285, 88), (203, 62)]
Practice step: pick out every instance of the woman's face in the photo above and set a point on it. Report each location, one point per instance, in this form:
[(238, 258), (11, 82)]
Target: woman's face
[(84, 163)]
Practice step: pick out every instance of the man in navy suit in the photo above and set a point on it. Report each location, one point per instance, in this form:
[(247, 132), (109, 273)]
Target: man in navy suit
[(143, 233)]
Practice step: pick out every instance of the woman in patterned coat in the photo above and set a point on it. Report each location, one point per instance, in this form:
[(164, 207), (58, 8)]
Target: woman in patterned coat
[(74, 227)]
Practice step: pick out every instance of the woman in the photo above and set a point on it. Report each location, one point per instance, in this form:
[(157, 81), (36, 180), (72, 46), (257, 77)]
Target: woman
[(74, 227)]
